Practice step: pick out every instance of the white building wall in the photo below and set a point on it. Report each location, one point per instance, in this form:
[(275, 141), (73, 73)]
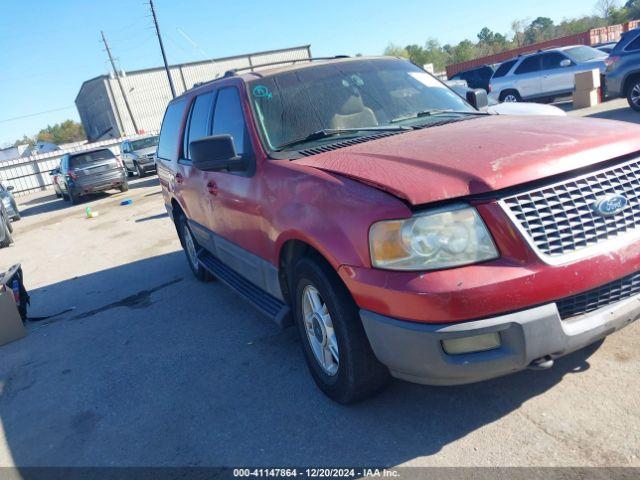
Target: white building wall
[(101, 104)]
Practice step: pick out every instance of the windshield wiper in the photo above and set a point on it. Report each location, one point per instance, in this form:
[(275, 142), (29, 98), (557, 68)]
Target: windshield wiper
[(437, 112), (331, 132)]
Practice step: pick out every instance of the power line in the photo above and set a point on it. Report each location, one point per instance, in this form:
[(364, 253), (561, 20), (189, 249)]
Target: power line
[(35, 114)]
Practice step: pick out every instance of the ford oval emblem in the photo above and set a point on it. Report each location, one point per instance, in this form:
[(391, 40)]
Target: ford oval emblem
[(609, 205)]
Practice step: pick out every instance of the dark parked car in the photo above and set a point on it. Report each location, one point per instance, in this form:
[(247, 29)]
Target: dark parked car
[(9, 202), (90, 172), (5, 228), (401, 230), (139, 156), (476, 77), (622, 75)]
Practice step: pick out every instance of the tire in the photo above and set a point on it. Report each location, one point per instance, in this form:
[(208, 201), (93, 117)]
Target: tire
[(191, 248), (72, 198), (355, 373), (510, 96), (8, 239), (139, 173), (124, 187), (17, 216), (58, 195), (9, 225), (633, 94)]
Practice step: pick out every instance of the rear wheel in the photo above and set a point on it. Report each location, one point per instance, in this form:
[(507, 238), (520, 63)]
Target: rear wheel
[(8, 239), (633, 94), (335, 345), (510, 96), (73, 198), (191, 249), (124, 187)]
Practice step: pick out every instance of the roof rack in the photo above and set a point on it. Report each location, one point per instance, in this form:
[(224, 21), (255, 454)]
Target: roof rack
[(234, 71)]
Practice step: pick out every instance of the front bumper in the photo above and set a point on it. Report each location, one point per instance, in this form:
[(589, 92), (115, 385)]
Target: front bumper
[(414, 351)]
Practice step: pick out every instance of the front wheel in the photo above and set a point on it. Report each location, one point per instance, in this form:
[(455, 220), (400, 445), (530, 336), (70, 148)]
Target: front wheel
[(335, 345), (191, 249), (124, 187), (139, 172), (633, 95), (510, 96)]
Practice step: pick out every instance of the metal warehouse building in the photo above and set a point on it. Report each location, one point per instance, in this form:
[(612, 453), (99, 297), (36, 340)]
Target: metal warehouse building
[(102, 108)]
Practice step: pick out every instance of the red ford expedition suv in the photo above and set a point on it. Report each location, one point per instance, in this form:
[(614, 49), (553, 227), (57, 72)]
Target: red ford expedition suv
[(402, 231)]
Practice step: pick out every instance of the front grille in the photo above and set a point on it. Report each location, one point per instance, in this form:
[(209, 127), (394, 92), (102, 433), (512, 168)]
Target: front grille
[(599, 297), (560, 219)]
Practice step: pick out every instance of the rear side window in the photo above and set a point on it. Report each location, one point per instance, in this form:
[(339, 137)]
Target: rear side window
[(82, 160), (528, 65), (170, 131), (199, 120), (504, 68), (551, 60), (634, 44), (228, 118)]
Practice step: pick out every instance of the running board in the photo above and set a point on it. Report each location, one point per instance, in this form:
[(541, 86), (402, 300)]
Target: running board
[(272, 307)]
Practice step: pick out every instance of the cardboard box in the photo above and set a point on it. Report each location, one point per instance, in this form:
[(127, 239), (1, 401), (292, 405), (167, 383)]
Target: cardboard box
[(11, 327), (585, 98), (587, 81)]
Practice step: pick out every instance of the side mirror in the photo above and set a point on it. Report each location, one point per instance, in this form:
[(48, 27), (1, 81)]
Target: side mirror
[(478, 98), (55, 171), (211, 154), (10, 187), (565, 63)]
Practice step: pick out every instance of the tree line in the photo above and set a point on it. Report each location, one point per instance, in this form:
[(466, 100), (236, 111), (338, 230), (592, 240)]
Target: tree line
[(63, 132), (523, 32)]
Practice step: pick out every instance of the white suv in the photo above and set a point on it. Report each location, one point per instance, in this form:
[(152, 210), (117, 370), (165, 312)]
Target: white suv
[(543, 75)]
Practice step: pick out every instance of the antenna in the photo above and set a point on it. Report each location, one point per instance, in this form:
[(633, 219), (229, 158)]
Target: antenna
[(115, 73)]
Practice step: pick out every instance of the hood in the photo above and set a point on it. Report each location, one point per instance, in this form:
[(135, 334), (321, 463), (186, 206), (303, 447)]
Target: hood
[(479, 155), (525, 108)]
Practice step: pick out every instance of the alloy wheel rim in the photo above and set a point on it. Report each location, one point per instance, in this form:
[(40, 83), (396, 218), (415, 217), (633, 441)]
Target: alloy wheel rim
[(320, 332), (635, 94), (191, 247), (511, 98)]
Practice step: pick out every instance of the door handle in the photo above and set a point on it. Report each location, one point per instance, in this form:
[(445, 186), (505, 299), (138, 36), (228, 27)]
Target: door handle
[(179, 178), (212, 188)]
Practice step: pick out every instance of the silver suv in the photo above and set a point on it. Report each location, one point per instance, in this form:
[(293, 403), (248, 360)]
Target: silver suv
[(543, 75)]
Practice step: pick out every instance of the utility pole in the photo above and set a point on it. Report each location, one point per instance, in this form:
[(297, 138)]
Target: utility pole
[(164, 55), (115, 72)]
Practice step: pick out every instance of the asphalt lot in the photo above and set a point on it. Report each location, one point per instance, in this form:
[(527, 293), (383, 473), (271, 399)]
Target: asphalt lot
[(151, 367)]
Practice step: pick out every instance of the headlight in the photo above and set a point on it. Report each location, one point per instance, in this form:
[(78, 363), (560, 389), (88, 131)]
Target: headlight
[(442, 238)]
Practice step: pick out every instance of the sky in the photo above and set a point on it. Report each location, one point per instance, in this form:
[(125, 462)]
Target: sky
[(48, 48)]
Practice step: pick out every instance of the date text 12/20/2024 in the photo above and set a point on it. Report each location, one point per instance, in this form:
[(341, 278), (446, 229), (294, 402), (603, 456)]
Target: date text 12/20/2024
[(316, 472)]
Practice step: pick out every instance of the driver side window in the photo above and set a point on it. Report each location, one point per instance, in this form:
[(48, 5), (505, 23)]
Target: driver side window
[(229, 119)]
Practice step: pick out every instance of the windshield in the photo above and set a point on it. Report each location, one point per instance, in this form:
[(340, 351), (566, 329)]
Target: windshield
[(144, 143), (347, 95), (584, 53)]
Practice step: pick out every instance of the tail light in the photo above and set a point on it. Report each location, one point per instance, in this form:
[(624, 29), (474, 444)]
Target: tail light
[(119, 162), (72, 174), (489, 89), (611, 60)]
